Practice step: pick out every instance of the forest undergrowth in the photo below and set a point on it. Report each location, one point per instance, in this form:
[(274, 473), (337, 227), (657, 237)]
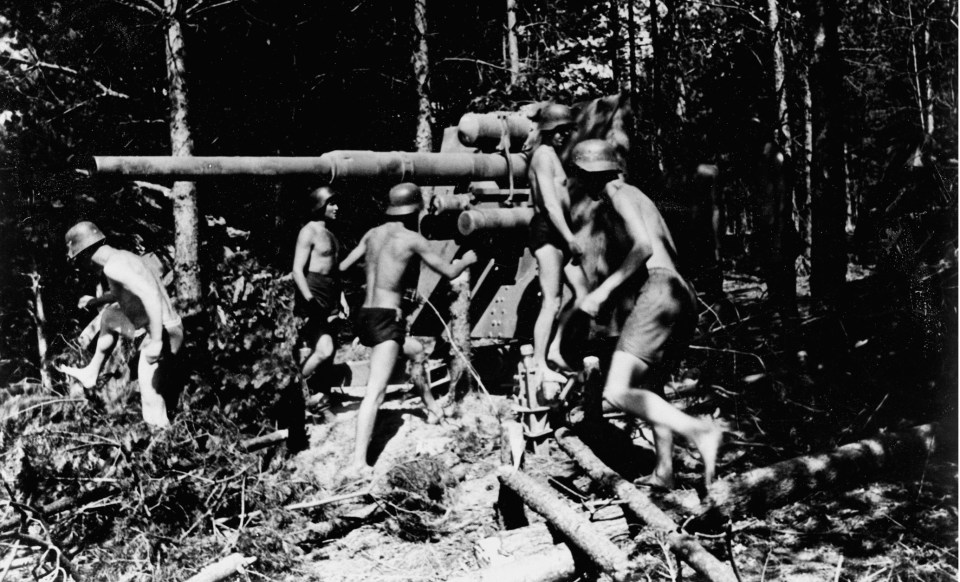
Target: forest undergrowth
[(91, 492)]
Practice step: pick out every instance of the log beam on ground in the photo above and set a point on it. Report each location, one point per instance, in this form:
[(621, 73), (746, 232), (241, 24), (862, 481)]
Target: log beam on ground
[(755, 491), (640, 504), (575, 527)]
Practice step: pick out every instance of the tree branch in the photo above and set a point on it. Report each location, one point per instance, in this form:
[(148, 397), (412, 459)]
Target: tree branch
[(104, 90), (148, 7)]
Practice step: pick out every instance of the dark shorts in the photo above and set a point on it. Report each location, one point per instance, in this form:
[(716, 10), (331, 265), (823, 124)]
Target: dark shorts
[(376, 325), (320, 312), (543, 233), (663, 319)]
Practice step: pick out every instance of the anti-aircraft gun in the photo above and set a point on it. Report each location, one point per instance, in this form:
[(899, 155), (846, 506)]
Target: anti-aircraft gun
[(472, 187), (475, 197)]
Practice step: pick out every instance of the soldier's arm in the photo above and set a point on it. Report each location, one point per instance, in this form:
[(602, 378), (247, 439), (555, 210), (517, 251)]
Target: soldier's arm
[(300, 257), (355, 254), (449, 270), (134, 277), (636, 257), (551, 190)]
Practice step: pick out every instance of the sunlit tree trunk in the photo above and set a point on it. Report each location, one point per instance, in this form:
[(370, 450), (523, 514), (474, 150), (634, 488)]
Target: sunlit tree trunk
[(614, 43), (829, 252), (185, 212), (920, 68), (654, 74), (801, 123), (927, 81), (632, 47), (777, 205), (513, 52), (421, 70)]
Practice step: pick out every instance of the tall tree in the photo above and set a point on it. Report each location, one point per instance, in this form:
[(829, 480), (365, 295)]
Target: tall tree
[(513, 51), (777, 203), (421, 70), (801, 124), (654, 73), (614, 43), (919, 64), (185, 212), (632, 47), (829, 249)]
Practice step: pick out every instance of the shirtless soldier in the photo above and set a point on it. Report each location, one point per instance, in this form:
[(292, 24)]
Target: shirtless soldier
[(639, 258), (318, 285), (388, 250), (143, 303), (551, 238)]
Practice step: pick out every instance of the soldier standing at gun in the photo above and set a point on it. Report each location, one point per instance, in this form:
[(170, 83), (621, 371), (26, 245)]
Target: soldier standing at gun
[(319, 294), (639, 258), (143, 303), (551, 238), (391, 252)]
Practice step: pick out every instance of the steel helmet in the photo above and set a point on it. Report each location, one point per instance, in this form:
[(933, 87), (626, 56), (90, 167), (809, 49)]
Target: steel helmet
[(404, 199), (320, 197), (82, 236), (595, 155), (554, 115)]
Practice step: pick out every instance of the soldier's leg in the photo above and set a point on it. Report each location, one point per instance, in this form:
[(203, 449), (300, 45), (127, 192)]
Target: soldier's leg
[(414, 352), (550, 263), (382, 360), (578, 282), (625, 374), (322, 351), (160, 377), (112, 323)]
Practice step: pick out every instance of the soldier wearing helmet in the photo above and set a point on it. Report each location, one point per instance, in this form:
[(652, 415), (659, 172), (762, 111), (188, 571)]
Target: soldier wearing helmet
[(142, 303), (318, 299), (639, 259), (551, 236), (390, 250)]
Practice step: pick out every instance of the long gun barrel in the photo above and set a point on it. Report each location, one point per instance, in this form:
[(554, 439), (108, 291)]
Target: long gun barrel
[(422, 168)]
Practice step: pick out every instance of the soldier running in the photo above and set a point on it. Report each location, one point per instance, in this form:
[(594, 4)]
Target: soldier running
[(142, 303), (390, 250), (551, 238), (639, 258)]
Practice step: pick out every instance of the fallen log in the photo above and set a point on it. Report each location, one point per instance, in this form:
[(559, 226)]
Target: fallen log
[(263, 441), (508, 545), (223, 569), (639, 503), (510, 509), (852, 464), (61, 505), (574, 526), (554, 564)]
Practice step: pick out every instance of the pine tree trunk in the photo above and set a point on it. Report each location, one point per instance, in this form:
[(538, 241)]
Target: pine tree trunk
[(614, 44), (632, 46), (828, 212), (929, 121), (185, 211), (654, 73), (777, 215), (513, 51), (801, 124), (421, 70)]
